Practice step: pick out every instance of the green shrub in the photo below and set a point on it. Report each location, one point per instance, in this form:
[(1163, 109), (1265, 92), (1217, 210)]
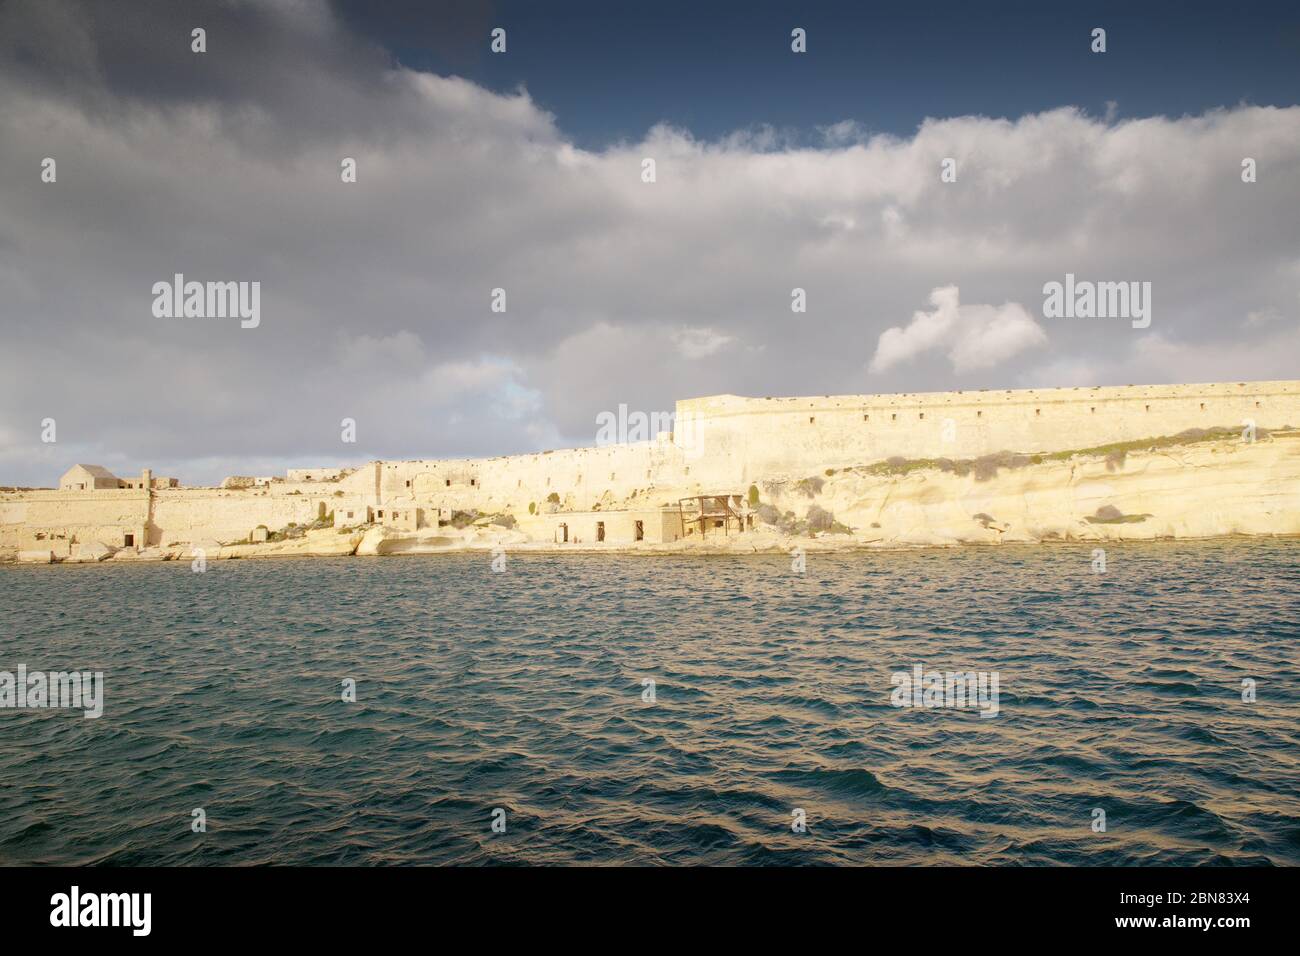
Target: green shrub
[(463, 519), (819, 519), (1109, 514), (810, 486)]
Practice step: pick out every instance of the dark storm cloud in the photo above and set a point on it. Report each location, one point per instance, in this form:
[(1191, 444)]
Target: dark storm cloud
[(102, 55)]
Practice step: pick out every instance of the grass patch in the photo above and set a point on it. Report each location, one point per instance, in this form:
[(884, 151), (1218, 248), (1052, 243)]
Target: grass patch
[(1117, 451), (294, 530), (983, 468), (987, 466)]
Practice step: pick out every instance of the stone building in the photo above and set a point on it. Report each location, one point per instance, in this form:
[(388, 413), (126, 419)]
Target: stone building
[(652, 525), (88, 478), (313, 474)]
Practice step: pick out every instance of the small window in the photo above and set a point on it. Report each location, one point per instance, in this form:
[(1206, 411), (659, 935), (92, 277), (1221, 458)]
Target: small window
[(408, 482), (866, 418), (1202, 406), (448, 482), (1093, 409), (1147, 408), (471, 482), (1038, 411), (923, 414), (349, 514), (812, 420), (979, 414), (381, 514), (893, 417)]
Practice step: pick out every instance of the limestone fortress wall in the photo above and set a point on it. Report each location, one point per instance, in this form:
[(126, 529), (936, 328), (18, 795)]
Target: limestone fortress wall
[(744, 438), (57, 520), (723, 443), (719, 445)]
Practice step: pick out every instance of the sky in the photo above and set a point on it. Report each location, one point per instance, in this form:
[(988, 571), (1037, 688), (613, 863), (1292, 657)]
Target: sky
[(524, 170)]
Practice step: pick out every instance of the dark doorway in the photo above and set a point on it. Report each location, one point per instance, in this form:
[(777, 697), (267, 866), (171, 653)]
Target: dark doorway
[(640, 530), (564, 533), (128, 541), (600, 531)]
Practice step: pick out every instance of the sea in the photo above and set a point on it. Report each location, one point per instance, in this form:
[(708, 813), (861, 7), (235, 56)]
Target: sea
[(662, 709)]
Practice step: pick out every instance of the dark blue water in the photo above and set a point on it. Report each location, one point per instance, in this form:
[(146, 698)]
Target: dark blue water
[(523, 691)]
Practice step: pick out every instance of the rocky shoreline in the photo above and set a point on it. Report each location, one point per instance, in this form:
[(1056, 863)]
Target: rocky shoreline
[(333, 545)]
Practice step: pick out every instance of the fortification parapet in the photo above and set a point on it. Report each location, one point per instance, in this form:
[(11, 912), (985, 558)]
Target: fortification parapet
[(737, 439)]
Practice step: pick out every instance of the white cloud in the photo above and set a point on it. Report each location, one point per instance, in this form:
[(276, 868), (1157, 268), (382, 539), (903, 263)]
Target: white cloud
[(1158, 358), (1262, 316), (843, 133), (976, 336), (699, 343), (375, 295)]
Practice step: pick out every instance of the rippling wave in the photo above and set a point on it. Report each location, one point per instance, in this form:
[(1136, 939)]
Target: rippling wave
[(523, 691)]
